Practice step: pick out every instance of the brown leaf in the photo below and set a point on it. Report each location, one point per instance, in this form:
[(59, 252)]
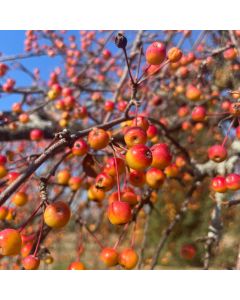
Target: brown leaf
[(89, 166)]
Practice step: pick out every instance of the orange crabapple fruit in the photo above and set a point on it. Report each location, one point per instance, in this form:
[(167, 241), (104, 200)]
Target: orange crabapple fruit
[(76, 265), (161, 156), (31, 262), (155, 178), (134, 136), (75, 183), (119, 212), (139, 157), (137, 178), (217, 153), (109, 257), (57, 214), (218, 184), (128, 258), (156, 53), (80, 147), (98, 138), (104, 182), (10, 242)]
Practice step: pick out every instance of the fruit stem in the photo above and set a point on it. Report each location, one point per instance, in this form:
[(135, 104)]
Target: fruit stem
[(227, 134), (133, 235), (158, 69), (121, 236), (139, 63), (94, 237), (144, 72), (128, 66), (30, 218), (125, 178), (116, 169), (39, 237), (217, 114)]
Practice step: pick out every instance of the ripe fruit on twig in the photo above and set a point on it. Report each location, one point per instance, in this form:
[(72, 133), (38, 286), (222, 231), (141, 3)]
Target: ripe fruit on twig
[(193, 93), (3, 212), (139, 157), (104, 182), (152, 131), (230, 53), (128, 258), (3, 159), (26, 248), (109, 105), (218, 184), (155, 53), (174, 54), (20, 198), (140, 121), (217, 153), (23, 118), (3, 171), (110, 166), (12, 176), (119, 212), (198, 114), (31, 262), (161, 156), (98, 139), (171, 171), (57, 215), (36, 135), (113, 197), (155, 178), (95, 194), (75, 183), (134, 136), (109, 257), (233, 182), (63, 177), (188, 251), (10, 242), (77, 265), (137, 178), (80, 147), (129, 196)]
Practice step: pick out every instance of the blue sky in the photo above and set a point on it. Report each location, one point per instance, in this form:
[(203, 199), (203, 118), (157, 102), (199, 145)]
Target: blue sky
[(12, 42)]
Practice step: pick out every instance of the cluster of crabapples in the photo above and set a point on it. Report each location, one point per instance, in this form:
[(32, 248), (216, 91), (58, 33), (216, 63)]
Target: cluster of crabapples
[(221, 184), (138, 165), (141, 162), (138, 162)]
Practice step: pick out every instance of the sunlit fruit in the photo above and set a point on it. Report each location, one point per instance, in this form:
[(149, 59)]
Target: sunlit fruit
[(217, 153), (155, 178), (31, 262), (10, 242), (57, 215), (98, 139), (75, 183), (155, 53), (139, 157), (161, 156), (109, 257), (119, 213), (128, 258), (77, 265)]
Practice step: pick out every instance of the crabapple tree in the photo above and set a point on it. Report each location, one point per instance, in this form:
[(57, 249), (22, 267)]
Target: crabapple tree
[(125, 155)]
